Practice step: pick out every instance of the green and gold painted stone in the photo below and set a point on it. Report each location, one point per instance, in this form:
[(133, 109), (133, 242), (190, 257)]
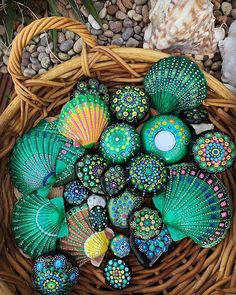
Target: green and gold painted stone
[(130, 104), (89, 171), (194, 116), (147, 173), (119, 143), (167, 137), (114, 180), (117, 274), (214, 152), (145, 223)]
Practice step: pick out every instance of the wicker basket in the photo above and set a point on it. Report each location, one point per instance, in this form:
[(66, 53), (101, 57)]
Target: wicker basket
[(187, 269)]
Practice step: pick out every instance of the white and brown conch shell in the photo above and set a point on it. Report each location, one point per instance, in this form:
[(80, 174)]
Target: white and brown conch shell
[(185, 26)]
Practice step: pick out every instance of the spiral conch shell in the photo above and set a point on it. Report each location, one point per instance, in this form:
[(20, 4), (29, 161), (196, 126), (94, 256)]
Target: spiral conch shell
[(184, 26)]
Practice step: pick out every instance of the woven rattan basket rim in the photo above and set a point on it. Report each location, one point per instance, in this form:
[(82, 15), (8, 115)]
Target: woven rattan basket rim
[(188, 269)]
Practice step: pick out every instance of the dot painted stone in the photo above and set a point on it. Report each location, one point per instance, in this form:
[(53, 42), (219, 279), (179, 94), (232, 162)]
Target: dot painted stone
[(194, 116), (121, 207), (94, 87), (214, 152), (75, 192), (95, 200), (117, 273), (54, 275), (167, 137), (119, 142), (98, 218), (149, 252), (147, 173), (145, 223), (89, 170), (120, 246), (130, 104), (114, 180)]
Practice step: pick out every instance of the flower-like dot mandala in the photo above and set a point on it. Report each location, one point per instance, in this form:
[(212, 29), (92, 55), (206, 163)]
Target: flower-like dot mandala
[(214, 152), (117, 273), (89, 171), (98, 218), (120, 246), (148, 173), (75, 192), (130, 104), (145, 223), (119, 143), (114, 180)]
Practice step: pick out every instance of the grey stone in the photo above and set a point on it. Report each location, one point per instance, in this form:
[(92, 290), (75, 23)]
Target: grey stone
[(138, 9), (108, 33), (132, 43), (41, 55), (29, 72), (112, 9), (100, 42), (121, 6), (105, 27), (234, 4), (5, 59), (26, 54), (54, 60), (42, 71), (29, 66), (116, 26), (24, 62), (35, 54), (127, 23), (41, 49), (127, 4), (233, 13), (208, 63), (140, 2), (84, 11), (117, 41), (217, 13), (44, 39), (34, 60), (216, 65), (98, 5), (138, 37), (93, 22), (96, 32), (6, 51), (137, 29), (145, 14), (102, 38), (128, 32), (137, 17), (66, 45), (32, 48), (45, 62), (78, 46), (131, 13), (69, 35), (120, 15), (2, 30), (109, 17), (60, 37), (4, 70), (71, 52), (103, 13), (63, 56), (36, 67), (226, 8)]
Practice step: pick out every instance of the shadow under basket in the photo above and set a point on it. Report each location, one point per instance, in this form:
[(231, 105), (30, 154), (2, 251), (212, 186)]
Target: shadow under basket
[(187, 268)]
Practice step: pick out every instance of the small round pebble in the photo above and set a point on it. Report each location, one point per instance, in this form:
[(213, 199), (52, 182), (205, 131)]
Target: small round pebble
[(117, 274), (98, 218), (120, 246), (75, 193)]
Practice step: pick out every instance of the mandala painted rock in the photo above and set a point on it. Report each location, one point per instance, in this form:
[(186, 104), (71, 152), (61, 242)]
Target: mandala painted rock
[(54, 275), (98, 218), (147, 173), (120, 246), (148, 252), (75, 193), (145, 223), (94, 87), (130, 104), (114, 180), (117, 274), (167, 137), (89, 171), (95, 200), (214, 152), (195, 116), (120, 208), (119, 143)]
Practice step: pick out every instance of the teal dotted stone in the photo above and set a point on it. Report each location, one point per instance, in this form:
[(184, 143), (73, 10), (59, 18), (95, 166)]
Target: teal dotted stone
[(119, 142), (194, 116), (117, 273), (130, 104), (120, 246), (98, 218), (114, 180)]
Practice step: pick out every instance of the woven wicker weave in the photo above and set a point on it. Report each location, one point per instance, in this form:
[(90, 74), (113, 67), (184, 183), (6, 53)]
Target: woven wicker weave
[(187, 269)]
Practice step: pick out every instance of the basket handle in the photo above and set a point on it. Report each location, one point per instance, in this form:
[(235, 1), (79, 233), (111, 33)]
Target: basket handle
[(37, 27)]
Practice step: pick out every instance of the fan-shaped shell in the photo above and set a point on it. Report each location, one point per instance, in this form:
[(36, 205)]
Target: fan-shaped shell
[(195, 205), (175, 83), (83, 119), (37, 223), (83, 243)]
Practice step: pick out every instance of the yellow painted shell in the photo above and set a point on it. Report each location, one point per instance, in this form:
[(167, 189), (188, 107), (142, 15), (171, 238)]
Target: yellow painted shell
[(96, 245)]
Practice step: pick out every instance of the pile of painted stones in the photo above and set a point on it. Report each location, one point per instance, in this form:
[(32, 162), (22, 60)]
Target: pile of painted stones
[(89, 182)]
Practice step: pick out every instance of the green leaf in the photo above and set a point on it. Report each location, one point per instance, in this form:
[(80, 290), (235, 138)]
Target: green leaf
[(10, 8), (92, 10), (78, 14), (53, 11)]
